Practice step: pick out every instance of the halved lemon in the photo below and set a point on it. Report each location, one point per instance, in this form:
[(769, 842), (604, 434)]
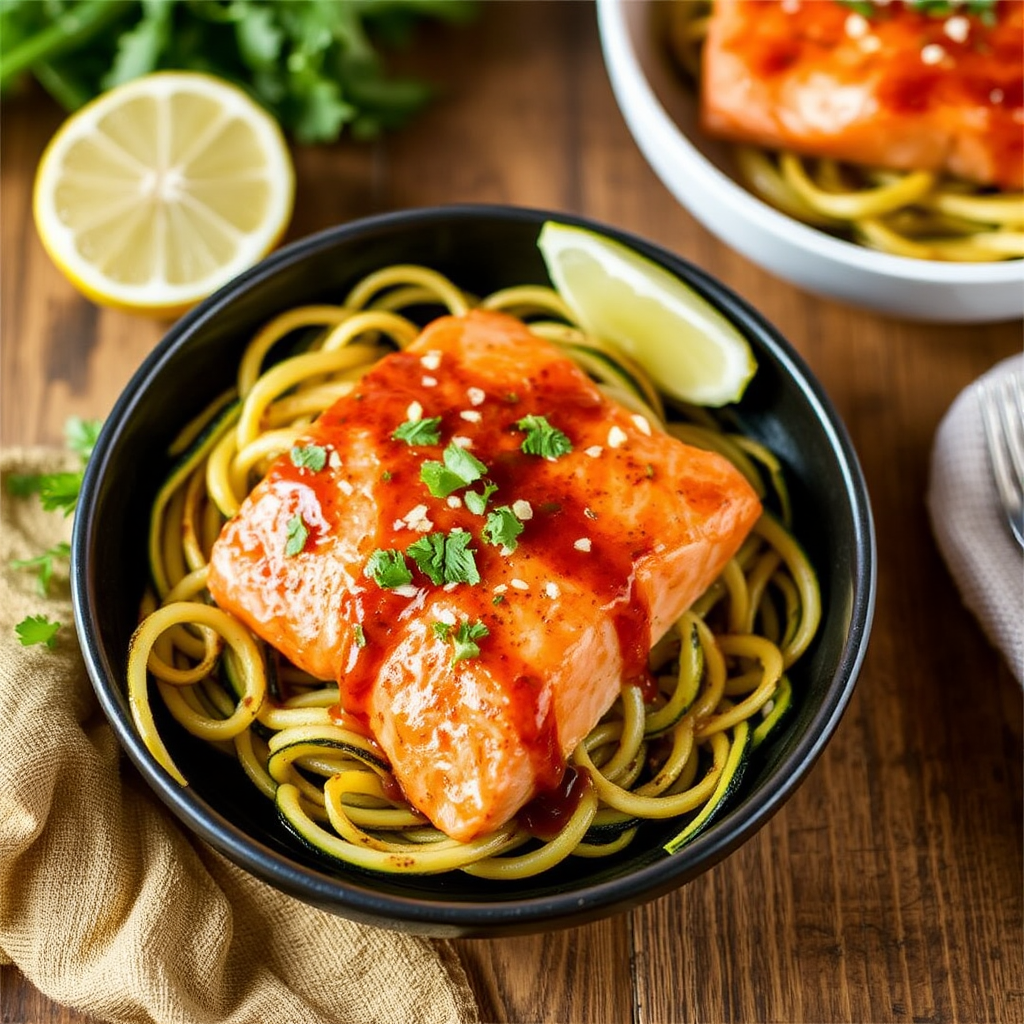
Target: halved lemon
[(161, 190), (691, 351)]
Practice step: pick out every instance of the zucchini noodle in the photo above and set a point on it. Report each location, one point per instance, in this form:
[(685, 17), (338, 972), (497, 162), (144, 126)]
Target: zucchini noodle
[(915, 213), (721, 671)]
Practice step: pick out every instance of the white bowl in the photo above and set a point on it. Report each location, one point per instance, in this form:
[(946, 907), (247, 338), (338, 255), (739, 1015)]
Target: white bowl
[(661, 112)]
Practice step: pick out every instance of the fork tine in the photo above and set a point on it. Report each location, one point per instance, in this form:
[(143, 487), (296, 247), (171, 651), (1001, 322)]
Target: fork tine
[(1000, 408), (1013, 423)]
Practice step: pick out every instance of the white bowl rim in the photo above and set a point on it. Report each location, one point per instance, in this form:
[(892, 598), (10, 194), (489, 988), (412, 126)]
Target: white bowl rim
[(618, 43)]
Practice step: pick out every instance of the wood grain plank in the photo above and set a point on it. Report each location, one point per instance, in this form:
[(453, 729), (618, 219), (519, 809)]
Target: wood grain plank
[(581, 975), (888, 888)]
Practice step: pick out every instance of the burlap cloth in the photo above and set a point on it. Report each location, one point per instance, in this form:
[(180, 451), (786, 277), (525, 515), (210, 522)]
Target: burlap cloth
[(969, 526), (107, 905)]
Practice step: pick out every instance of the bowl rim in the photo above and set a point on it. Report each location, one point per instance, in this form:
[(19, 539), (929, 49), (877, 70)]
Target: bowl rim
[(355, 896), (621, 54)]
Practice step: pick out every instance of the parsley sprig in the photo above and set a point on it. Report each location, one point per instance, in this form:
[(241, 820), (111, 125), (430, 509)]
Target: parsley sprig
[(37, 629), (44, 564), (319, 67), (58, 492)]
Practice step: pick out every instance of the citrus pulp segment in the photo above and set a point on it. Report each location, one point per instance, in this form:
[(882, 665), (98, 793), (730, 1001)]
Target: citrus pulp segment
[(691, 351)]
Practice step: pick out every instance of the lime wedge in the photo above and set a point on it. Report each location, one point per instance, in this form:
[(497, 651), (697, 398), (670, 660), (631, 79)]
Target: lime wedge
[(688, 348)]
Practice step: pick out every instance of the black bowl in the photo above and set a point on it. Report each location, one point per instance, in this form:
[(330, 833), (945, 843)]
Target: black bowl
[(481, 248)]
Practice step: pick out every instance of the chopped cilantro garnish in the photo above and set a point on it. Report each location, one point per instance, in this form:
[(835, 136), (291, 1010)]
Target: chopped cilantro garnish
[(476, 501), (502, 528), (43, 564), (543, 439), (465, 640), (497, 599), (360, 636), (310, 456), (459, 563), (426, 431), (386, 476), (864, 7), (388, 569), (37, 629), (984, 9), (458, 469), (446, 558), (296, 536), (428, 554)]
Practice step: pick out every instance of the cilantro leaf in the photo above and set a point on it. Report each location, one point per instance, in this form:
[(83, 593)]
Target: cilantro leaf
[(465, 640), (502, 528), (984, 9), (442, 630), (426, 431), (316, 65), (865, 8), (44, 564), (388, 569), (37, 629), (310, 456), (459, 561), (543, 439), (446, 558), (463, 463), (139, 49), (476, 501), (259, 38), (360, 636), (440, 480), (458, 469), (428, 554), (59, 491), (297, 535)]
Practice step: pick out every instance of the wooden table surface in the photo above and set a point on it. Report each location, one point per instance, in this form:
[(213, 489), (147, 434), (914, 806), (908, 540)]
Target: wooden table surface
[(889, 887)]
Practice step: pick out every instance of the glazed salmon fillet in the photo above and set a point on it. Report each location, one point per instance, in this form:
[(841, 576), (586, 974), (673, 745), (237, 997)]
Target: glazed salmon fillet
[(478, 681), (897, 88)]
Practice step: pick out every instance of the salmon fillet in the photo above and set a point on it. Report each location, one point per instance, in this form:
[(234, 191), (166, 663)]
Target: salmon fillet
[(619, 536), (899, 88)]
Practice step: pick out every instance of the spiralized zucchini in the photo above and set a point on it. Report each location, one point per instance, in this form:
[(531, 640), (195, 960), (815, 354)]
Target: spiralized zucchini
[(722, 670), (914, 213)]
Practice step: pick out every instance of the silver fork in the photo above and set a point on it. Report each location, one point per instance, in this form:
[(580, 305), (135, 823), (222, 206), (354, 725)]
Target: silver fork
[(1002, 410)]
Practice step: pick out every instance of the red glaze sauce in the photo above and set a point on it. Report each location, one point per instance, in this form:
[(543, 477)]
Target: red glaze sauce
[(381, 404), (549, 812), (900, 87)]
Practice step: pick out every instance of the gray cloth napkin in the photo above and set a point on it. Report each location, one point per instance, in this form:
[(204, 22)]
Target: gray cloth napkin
[(970, 527)]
